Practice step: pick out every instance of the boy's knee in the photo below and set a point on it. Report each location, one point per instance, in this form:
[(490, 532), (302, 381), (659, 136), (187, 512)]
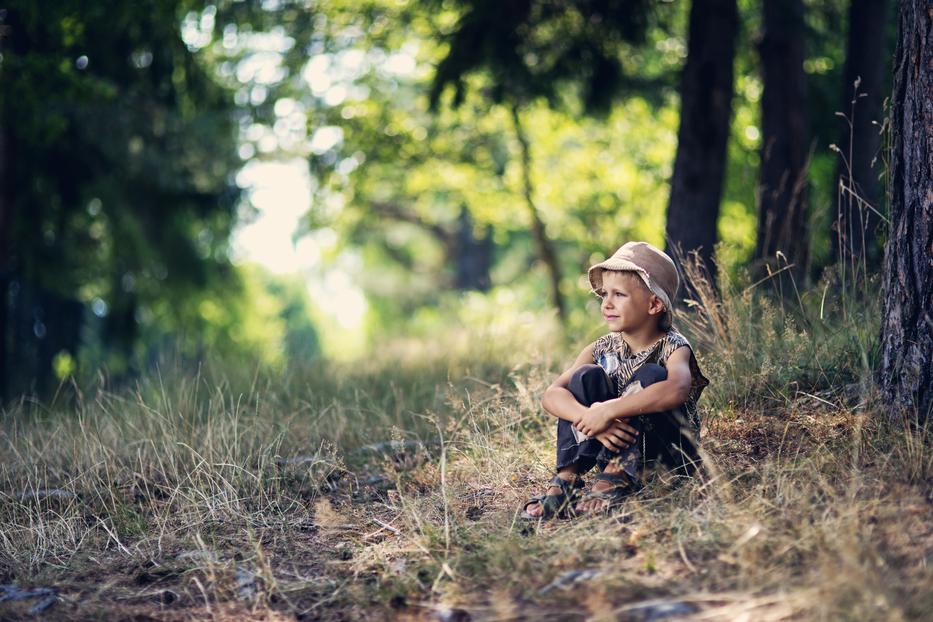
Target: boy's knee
[(588, 370), (590, 383), (649, 373)]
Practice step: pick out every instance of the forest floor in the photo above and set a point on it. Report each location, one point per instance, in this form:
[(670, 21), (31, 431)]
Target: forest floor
[(176, 502)]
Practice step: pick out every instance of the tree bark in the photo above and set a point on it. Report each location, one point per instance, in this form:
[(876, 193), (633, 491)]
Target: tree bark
[(546, 252), (705, 113), (782, 194), (5, 223), (855, 230), (905, 373)]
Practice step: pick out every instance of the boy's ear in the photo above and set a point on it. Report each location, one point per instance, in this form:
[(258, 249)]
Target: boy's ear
[(655, 305)]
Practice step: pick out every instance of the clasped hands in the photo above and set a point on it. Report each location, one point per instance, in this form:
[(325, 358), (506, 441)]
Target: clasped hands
[(614, 434)]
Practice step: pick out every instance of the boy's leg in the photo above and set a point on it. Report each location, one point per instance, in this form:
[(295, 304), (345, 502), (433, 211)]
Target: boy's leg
[(672, 443), (628, 460), (589, 384)]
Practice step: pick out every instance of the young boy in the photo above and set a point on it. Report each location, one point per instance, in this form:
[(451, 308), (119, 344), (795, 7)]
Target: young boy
[(629, 400)]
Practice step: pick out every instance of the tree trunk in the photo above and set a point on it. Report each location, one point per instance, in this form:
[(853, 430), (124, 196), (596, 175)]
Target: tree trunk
[(472, 256), (6, 221), (782, 195), (546, 251), (705, 113), (5, 224), (905, 373), (855, 231)]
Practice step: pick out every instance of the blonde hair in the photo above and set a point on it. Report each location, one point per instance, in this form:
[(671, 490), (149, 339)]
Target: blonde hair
[(628, 273)]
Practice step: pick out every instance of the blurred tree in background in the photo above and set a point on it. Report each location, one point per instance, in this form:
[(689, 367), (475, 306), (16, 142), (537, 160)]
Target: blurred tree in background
[(119, 150), (866, 78), (782, 191), (705, 117)]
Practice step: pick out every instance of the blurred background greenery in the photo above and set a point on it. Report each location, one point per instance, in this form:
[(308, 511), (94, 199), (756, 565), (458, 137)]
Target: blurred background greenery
[(274, 183)]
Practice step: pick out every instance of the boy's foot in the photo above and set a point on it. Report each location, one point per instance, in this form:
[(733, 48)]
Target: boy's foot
[(559, 497), (610, 489)]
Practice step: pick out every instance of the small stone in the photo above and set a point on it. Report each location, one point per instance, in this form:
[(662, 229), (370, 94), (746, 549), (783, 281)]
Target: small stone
[(48, 595), (245, 583), (451, 614), (206, 556), (652, 612), (569, 578)]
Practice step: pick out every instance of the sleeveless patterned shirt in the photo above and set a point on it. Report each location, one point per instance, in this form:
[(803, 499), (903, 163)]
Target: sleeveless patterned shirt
[(616, 357)]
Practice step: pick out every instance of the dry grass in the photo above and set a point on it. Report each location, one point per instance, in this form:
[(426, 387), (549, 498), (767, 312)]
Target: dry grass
[(184, 499)]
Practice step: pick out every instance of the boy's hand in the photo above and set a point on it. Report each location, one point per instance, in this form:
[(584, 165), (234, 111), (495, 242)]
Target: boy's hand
[(618, 435), (594, 420)]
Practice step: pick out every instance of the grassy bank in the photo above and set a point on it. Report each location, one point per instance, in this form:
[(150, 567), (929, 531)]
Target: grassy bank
[(388, 489)]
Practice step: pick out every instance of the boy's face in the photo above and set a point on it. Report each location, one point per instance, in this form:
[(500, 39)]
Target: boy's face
[(628, 305)]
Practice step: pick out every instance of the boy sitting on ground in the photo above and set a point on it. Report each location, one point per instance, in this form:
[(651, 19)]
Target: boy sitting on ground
[(629, 399)]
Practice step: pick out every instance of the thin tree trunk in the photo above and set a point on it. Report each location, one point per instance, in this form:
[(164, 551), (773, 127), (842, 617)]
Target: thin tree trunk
[(906, 368), (546, 251), (782, 194), (705, 113), (855, 235), (472, 256)]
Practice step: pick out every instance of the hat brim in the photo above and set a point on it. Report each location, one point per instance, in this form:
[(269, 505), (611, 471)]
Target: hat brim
[(595, 273)]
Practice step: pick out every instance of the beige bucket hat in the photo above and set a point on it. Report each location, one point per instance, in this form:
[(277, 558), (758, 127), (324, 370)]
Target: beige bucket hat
[(653, 265)]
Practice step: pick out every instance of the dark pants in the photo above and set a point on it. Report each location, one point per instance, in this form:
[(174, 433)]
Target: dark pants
[(664, 437)]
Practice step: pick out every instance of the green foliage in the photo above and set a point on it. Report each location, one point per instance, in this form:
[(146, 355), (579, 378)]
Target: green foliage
[(125, 199), (397, 179), (533, 50), (122, 195)]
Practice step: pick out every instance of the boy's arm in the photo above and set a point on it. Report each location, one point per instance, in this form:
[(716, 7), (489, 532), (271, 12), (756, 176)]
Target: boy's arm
[(558, 400), (658, 397)]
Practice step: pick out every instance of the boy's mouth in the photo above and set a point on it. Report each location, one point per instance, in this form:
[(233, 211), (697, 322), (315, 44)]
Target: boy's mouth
[(609, 318)]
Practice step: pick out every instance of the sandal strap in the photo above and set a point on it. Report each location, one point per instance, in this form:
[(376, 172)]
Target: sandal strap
[(613, 496), (566, 487), (624, 486), (620, 479)]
